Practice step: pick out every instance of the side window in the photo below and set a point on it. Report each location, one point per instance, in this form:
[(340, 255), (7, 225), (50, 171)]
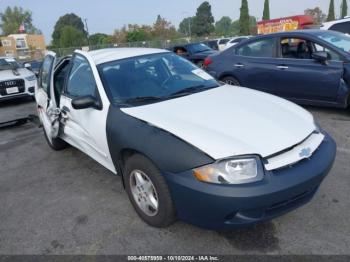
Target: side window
[(260, 48), (331, 54), (81, 81), (45, 73), (341, 27), (296, 48)]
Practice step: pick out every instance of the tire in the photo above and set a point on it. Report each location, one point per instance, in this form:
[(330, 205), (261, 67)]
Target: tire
[(230, 80), (56, 144), (136, 166)]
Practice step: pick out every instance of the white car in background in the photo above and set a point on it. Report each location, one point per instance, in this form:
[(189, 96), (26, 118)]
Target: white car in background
[(236, 40), (341, 25), (15, 80)]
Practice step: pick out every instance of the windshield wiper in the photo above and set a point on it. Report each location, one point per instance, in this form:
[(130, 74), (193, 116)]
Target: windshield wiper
[(191, 90), (145, 99)]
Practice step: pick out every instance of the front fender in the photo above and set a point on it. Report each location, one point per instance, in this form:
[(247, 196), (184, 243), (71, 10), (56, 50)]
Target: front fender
[(168, 152)]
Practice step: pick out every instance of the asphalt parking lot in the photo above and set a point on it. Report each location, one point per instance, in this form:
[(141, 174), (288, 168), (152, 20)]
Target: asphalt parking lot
[(66, 203)]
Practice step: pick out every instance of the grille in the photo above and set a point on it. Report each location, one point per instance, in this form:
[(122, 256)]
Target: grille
[(11, 83)]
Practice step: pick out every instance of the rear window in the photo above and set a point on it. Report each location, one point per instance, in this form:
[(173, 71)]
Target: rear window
[(341, 27)]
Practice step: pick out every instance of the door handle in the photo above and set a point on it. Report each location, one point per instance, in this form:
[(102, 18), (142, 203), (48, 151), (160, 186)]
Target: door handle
[(239, 65), (283, 67)]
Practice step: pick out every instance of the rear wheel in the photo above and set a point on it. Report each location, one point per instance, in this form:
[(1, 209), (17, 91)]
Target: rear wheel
[(230, 80), (148, 192), (56, 144)]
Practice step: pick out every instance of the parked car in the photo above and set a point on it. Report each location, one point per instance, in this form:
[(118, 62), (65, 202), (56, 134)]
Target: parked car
[(15, 80), (236, 40), (217, 44), (341, 25), (308, 67), (185, 146), (195, 52)]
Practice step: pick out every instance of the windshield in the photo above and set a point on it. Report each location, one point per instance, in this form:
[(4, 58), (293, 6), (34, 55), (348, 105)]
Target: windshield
[(338, 40), (8, 64), (153, 78), (198, 48)]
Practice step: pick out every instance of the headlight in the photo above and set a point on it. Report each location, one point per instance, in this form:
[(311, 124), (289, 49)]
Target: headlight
[(232, 171), (31, 78)]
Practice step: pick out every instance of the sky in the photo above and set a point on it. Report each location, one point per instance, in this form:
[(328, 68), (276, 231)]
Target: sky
[(104, 16)]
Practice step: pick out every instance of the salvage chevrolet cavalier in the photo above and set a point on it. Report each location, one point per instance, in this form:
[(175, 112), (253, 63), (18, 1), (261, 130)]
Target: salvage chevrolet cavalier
[(185, 146)]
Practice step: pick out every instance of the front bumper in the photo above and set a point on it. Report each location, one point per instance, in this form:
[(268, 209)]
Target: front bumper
[(228, 206)]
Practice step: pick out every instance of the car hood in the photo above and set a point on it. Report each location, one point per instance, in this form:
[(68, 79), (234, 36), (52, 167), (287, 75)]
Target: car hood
[(9, 74), (229, 121)]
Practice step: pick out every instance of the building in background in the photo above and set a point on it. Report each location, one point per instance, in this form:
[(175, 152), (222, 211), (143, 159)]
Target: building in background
[(23, 46)]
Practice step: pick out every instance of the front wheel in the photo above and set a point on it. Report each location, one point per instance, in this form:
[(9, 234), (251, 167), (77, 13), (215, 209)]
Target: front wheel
[(148, 192), (230, 80)]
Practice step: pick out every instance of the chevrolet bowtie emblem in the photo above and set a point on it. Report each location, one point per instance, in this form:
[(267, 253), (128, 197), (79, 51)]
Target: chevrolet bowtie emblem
[(305, 152)]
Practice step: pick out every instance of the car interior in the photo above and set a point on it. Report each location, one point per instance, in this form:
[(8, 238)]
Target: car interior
[(303, 49)]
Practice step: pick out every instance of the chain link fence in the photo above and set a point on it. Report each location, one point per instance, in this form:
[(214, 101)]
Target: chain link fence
[(162, 44)]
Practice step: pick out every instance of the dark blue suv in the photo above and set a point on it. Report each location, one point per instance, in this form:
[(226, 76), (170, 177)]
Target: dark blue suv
[(308, 67)]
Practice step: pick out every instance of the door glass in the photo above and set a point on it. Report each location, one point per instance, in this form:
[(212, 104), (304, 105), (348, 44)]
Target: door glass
[(260, 48), (45, 74), (296, 48), (81, 81), (331, 54)]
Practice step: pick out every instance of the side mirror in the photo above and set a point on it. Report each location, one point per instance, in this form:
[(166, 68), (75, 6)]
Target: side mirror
[(320, 56), (28, 66), (85, 102)]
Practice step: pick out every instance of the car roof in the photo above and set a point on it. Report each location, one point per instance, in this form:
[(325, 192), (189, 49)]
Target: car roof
[(112, 54), (306, 32)]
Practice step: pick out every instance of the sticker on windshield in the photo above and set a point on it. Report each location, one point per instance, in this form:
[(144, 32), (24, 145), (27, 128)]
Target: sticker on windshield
[(10, 60), (202, 74)]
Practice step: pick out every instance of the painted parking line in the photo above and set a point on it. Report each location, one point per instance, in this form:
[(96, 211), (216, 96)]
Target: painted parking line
[(343, 150)]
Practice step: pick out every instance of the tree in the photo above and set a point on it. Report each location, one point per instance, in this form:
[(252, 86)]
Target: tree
[(185, 26), (244, 19), (317, 14), (67, 20), (71, 37), (266, 14), (163, 29), (99, 39), (12, 18), (331, 12), (344, 8), (223, 27), (203, 23)]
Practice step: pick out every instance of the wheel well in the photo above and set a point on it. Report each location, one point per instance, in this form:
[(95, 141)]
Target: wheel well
[(229, 75)]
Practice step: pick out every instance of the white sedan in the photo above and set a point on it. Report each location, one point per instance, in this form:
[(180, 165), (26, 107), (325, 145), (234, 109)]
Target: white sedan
[(15, 80), (185, 146)]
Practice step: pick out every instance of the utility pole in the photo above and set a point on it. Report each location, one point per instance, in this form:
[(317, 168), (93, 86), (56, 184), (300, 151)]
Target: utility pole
[(87, 31)]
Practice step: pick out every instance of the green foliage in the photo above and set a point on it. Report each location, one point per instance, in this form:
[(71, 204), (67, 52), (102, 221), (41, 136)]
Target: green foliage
[(344, 8), (266, 14), (12, 18), (163, 29), (203, 23), (317, 14), (223, 27), (331, 12), (185, 26), (71, 37), (99, 39), (244, 20), (71, 20), (137, 35)]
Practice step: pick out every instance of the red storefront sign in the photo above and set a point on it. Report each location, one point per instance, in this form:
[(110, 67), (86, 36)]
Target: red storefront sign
[(285, 24)]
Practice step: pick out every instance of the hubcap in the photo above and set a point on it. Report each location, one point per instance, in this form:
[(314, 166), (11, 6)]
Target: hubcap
[(144, 193)]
